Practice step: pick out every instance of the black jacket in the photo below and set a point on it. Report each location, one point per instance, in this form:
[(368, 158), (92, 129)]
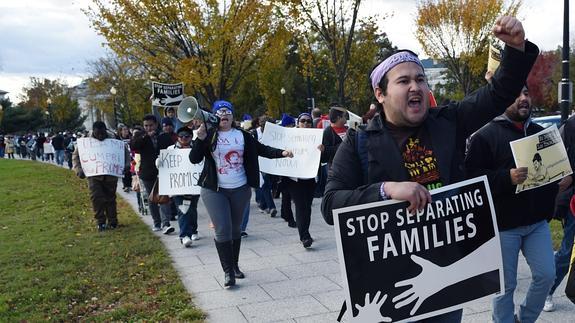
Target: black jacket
[(330, 142), (144, 145), (490, 154), (447, 126), (252, 149)]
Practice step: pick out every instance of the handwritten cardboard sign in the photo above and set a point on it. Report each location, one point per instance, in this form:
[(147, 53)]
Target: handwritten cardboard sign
[(102, 157)]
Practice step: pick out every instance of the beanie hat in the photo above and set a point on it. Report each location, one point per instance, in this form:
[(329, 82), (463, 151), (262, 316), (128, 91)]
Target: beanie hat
[(222, 104), (167, 122), (287, 120), (99, 125), (185, 129), (304, 114), (246, 117)]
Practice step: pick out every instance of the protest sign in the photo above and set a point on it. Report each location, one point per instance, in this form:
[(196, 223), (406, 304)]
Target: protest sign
[(545, 157), (303, 142), (167, 95), (102, 157), (354, 120), (177, 175), (397, 265), (48, 148)]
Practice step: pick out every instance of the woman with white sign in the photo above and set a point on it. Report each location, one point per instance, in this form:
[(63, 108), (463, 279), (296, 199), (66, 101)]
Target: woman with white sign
[(301, 191), (225, 187)]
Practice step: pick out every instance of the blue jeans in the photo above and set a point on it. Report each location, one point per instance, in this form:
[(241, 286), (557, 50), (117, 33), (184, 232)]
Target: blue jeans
[(246, 218), (187, 221), (563, 255), (535, 242), (226, 210), (60, 157), (267, 201)]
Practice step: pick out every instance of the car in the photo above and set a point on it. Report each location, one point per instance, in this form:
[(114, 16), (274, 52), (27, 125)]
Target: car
[(548, 121)]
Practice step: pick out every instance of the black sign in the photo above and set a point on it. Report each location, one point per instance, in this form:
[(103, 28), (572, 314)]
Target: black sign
[(167, 95), (398, 265)]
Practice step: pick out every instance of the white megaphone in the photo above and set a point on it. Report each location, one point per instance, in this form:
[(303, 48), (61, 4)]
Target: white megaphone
[(189, 110)]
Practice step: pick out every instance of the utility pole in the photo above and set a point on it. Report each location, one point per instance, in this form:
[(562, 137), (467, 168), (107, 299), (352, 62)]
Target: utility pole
[(565, 86)]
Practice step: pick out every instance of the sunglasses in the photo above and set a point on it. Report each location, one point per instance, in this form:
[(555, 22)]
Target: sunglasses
[(306, 121), (185, 136), (224, 111)]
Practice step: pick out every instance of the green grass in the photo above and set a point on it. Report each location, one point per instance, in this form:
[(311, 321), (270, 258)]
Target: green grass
[(55, 266)]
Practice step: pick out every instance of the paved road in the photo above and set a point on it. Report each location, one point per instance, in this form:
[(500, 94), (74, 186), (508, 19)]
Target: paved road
[(285, 282)]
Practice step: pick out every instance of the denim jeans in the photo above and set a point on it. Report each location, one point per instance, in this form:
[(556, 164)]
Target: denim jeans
[(246, 218), (563, 255), (535, 242), (267, 200), (187, 221), (226, 210), (60, 157)]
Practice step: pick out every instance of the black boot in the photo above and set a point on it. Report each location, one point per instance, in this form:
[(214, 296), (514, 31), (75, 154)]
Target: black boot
[(225, 253), (236, 247)]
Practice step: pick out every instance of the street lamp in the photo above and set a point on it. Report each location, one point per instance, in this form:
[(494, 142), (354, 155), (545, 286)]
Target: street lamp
[(283, 92), (49, 114), (113, 91)]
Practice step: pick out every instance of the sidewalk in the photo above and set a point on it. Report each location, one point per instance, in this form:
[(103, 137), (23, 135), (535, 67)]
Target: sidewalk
[(285, 282)]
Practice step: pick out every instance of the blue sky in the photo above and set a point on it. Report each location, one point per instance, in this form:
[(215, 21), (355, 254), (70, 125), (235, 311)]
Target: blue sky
[(53, 38)]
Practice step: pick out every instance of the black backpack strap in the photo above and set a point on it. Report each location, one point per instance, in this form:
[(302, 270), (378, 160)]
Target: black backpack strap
[(361, 148)]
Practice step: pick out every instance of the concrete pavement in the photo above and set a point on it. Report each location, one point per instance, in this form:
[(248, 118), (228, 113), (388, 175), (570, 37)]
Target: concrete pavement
[(285, 282)]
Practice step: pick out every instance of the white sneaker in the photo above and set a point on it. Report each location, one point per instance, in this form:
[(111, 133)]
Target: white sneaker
[(549, 305), (168, 230), (156, 229), (195, 237), (187, 242)]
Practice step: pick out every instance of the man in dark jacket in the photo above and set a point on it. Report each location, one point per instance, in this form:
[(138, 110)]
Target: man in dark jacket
[(521, 218), (409, 148), (146, 143), (58, 144), (102, 187)]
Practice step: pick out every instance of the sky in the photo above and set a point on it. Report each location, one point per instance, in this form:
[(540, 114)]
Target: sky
[(53, 38)]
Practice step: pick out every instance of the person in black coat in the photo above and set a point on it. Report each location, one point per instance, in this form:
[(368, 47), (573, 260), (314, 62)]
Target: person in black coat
[(409, 134), (231, 167)]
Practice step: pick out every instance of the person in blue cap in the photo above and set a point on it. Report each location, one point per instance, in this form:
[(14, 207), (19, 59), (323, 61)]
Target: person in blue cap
[(225, 186)]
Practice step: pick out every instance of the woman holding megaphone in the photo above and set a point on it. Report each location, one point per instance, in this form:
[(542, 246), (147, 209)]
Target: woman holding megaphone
[(226, 188)]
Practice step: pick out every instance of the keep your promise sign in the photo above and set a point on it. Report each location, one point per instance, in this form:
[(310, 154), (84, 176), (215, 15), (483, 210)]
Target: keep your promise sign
[(177, 175), (398, 265)]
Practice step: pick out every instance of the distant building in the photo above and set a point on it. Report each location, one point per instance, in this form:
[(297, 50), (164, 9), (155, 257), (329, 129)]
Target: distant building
[(434, 71), (80, 93), (3, 94)]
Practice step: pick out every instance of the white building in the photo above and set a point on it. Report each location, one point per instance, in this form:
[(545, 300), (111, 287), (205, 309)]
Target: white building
[(434, 71)]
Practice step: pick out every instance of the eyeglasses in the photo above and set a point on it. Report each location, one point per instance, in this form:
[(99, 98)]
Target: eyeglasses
[(306, 121), (223, 111), (185, 136)]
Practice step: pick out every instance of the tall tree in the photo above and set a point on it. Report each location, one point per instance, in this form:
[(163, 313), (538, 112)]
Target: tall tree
[(63, 112), (540, 81), (335, 23), (209, 46), (457, 32), (129, 80)]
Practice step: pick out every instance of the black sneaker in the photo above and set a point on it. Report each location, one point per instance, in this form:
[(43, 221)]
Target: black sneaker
[(113, 226), (244, 234), (292, 224), (101, 227), (273, 213), (307, 242)]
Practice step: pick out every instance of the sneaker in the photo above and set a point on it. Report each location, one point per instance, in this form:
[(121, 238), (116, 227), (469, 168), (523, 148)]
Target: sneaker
[(268, 211), (549, 305), (168, 230), (156, 229), (273, 213), (113, 226), (195, 237), (307, 242), (292, 224), (101, 227), (186, 241), (244, 234)]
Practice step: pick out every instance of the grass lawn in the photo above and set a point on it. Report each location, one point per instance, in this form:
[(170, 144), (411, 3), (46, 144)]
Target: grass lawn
[(55, 266)]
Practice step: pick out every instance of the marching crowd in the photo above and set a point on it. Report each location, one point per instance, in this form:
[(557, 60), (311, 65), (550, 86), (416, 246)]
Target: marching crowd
[(439, 146)]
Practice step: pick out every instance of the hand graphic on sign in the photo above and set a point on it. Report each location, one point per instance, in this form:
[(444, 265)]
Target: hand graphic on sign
[(434, 278), (370, 312), (422, 286)]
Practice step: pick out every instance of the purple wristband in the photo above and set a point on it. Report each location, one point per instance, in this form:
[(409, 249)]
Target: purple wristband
[(382, 192)]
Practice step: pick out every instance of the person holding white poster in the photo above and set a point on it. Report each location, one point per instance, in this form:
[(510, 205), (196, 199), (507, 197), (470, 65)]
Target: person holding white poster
[(231, 167), (301, 190), (187, 205), (102, 187), (410, 149), (521, 217)]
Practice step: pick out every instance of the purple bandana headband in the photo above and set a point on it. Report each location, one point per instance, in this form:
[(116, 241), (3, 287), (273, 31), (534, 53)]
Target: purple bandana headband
[(389, 63)]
